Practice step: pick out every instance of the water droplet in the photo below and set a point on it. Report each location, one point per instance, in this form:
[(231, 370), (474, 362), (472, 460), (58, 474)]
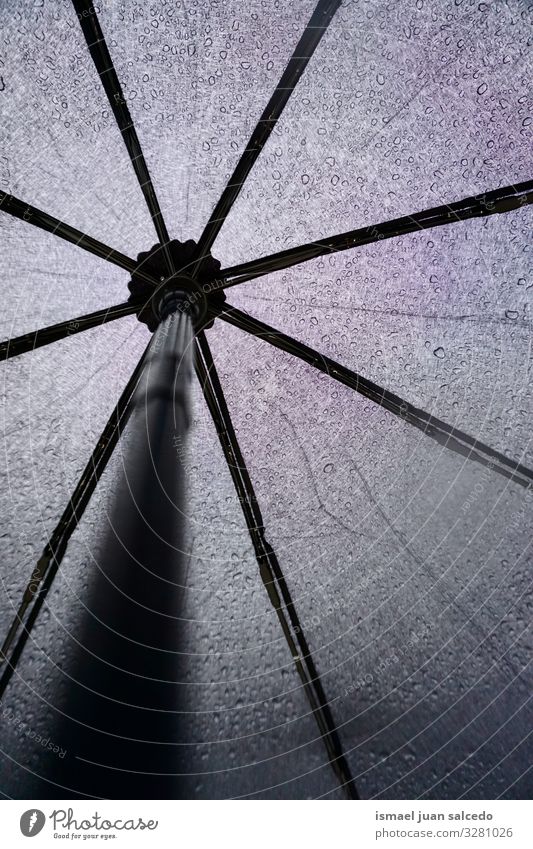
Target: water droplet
[(329, 467), (439, 353), (511, 314)]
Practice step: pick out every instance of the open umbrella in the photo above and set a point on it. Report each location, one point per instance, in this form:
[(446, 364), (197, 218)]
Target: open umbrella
[(303, 572)]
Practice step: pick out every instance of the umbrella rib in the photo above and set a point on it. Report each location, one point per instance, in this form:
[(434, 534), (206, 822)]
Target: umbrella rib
[(46, 335), (48, 564), (269, 567), (311, 36), (105, 68), (444, 434), (32, 215), (490, 203)]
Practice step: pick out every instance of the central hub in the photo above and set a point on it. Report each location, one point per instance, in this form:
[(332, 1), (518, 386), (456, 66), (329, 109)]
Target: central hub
[(191, 287)]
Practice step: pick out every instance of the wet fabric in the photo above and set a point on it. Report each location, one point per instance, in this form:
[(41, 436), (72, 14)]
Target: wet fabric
[(408, 564)]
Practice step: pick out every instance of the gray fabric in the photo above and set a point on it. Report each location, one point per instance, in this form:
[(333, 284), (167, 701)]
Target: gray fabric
[(402, 108), (47, 280), (55, 403), (408, 565), (442, 318), (245, 729)]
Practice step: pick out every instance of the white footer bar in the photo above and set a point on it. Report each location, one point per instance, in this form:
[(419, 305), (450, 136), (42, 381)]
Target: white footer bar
[(268, 825)]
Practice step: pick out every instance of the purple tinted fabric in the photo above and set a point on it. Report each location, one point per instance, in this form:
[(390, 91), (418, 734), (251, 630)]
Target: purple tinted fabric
[(408, 564)]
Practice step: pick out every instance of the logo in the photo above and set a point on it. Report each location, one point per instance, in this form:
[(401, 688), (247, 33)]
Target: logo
[(32, 822)]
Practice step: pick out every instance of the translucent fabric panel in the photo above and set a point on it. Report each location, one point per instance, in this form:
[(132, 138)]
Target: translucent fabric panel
[(441, 318), (409, 568), (61, 149), (196, 77), (404, 106), (46, 280), (55, 403), (408, 564), (249, 719), (245, 723)]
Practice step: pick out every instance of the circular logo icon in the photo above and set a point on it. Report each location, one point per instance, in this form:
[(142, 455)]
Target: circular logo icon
[(32, 822)]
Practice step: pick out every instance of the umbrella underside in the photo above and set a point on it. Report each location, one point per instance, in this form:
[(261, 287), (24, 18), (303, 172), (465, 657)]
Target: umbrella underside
[(354, 603)]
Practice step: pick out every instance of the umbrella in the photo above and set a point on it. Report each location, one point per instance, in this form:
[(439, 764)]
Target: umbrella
[(303, 572)]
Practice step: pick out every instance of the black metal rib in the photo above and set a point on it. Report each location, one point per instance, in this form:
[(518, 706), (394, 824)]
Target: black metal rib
[(446, 435), (315, 29), (46, 335), (103, 63), (26, 212), (45, 571), (269, 568), (490, 203)]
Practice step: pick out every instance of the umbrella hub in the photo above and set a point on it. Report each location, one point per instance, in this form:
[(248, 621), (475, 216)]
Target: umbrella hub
[(192, 286)]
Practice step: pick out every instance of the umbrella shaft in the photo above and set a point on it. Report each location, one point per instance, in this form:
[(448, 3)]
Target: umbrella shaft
[(124, 696)]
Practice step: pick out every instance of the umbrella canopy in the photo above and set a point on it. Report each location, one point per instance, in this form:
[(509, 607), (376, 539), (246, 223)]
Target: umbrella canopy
[(342, 191)]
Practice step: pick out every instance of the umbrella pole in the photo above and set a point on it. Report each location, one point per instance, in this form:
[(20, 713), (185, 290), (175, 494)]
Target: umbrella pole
[(123, 697)]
